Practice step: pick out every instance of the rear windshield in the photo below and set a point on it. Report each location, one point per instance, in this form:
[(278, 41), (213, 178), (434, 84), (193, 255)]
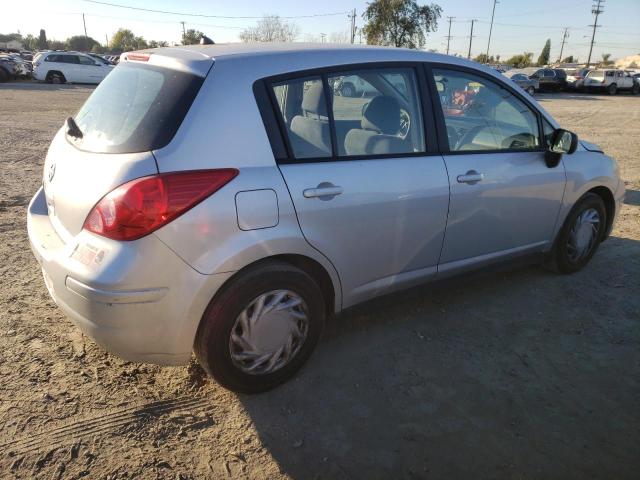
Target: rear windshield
[(136, 108)]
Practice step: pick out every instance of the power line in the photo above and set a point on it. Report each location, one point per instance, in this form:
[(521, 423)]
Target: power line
[(449, 35), (490, 29), (471, 38), (564, 38), (596, 10), (207, 16)]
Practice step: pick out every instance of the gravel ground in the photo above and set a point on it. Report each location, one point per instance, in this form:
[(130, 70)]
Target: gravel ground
[(523, 374)]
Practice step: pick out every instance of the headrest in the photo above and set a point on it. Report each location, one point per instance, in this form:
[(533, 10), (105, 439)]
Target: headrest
[(382, 114), (313, 100)]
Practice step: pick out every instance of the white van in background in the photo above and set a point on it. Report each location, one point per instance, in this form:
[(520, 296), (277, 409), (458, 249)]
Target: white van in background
[(62, 67)]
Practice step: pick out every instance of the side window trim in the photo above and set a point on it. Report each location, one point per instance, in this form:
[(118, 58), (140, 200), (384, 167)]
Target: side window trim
[(277, 132), (443, 141), (328, 100)]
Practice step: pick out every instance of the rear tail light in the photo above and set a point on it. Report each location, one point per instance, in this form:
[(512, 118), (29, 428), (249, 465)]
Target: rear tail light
[(145, 204)]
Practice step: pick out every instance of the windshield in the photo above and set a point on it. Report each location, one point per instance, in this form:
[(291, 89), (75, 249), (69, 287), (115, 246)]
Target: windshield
[(136, 108), (596, 74)]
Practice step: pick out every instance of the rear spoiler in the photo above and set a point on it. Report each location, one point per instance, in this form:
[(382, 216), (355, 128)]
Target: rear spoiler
[(182, 59)]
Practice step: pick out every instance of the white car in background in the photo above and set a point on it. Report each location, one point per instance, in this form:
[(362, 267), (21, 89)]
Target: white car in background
[(611, 81), (73, 67)]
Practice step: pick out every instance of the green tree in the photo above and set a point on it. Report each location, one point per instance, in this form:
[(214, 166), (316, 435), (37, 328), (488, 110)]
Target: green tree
[(482, 58), (520, 61), (56, 45), (124, 40), (10, 36), (543, 59), (42, 40), (606, 59), (30, 42), (80, 43), (191, 37), (399, 23), (569, 59)]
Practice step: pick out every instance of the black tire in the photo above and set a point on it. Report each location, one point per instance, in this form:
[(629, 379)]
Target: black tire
[(635, 90), (560, 260), (348, 90), (3, 75), (531, 90), (212, 339), (55, 78), (612, 89)]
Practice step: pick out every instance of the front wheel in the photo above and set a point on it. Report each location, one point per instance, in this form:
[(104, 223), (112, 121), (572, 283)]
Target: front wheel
[(531, 90), (636, 89), (261, 328), (612, 89), (580, 235)]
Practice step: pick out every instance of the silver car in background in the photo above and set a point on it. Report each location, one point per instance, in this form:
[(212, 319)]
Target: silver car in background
[(529, 85), (222, 199)]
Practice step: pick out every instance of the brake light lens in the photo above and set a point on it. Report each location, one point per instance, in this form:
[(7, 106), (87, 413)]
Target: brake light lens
[(141, 206)]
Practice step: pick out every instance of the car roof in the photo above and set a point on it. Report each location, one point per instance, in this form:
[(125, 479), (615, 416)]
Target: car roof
[(199, 58)]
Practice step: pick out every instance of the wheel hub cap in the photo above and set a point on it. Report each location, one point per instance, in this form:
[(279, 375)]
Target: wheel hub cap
[(269, 332), (583, 234)]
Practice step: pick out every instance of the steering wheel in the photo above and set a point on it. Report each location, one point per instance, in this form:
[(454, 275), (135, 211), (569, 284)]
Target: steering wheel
[(405, 124)]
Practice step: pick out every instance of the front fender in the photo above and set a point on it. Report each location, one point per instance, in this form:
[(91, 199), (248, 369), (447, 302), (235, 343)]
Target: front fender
[(585, 171)]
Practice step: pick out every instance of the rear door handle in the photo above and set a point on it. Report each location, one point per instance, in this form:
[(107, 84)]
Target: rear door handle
[(324, 191), (471, 177)]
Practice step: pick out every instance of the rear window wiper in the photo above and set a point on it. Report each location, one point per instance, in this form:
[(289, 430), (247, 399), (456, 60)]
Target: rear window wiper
[(72, 128)]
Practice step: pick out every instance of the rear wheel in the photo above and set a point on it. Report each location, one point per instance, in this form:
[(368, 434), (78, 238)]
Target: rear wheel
[(55, 78), (261, 328), (612, 89), (635, 90), (531, 90), (580, 235)]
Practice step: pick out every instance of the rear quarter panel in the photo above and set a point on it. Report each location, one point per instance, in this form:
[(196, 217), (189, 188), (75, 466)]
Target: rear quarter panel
[(224, 129)]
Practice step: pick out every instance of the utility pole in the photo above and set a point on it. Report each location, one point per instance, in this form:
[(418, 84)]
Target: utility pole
[(86, 39), (596, 10), (322, 37), (352, 16), (106, 41), (184, 33), (449, 34), (470, 38), (490, 30), (564, 38)]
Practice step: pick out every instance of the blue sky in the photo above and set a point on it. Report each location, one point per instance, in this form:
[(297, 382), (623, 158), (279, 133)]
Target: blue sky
[(518, 26)]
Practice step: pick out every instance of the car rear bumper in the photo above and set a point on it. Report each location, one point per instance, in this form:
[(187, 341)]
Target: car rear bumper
[(137, 299)]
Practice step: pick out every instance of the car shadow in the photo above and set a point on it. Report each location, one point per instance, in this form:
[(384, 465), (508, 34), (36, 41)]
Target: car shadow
[(566, 96), (632, 197), (42, 86), (523, 373)]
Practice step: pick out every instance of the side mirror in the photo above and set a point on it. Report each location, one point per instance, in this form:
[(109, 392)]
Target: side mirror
[(562, 141)]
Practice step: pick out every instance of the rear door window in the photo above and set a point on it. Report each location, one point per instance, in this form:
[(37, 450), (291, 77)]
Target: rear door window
[(86, 60), (384, 119), (136, 108)]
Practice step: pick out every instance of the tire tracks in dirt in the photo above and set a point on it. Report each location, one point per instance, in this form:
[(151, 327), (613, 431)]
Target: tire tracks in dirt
[(69, 432)]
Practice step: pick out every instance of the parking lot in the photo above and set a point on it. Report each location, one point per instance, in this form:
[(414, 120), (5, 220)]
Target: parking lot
[(518, 374)]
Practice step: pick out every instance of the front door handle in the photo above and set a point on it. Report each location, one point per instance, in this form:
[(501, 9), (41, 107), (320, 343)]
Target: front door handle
[(324, 191), (471, 177)]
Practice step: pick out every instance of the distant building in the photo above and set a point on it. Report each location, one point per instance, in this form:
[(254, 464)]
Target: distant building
[(12, 45)]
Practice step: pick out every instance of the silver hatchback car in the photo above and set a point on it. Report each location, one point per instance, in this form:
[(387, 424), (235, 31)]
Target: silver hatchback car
[(223, 199)]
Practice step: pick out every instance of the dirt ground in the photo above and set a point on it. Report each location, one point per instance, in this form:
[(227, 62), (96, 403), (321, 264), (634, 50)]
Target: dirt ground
[(524, 374)]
